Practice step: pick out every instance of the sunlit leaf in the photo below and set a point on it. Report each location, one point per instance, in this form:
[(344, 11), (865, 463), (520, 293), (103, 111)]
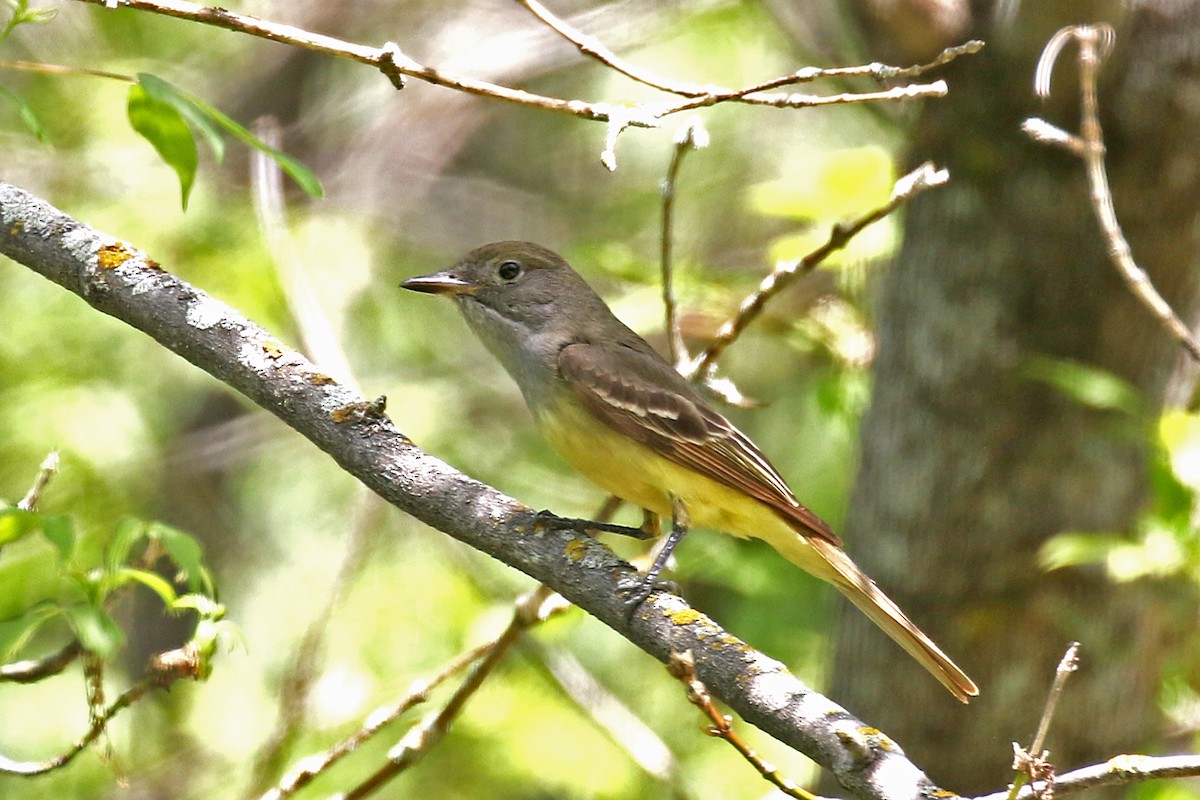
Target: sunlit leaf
[(163, 126), (1156, 553), (152, 581), (98, 632), (1073, 549), (187, 554), (202, 604), (15, 523), (830, 187), (1085, 384)]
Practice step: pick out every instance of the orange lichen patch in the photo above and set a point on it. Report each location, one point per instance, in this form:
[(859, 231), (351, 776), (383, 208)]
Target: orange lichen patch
[(18, 227), (348, 413), (878, 737), (685, 616), (319, 378), (273, 348), (111, 256), (943, 793), (577, 549)]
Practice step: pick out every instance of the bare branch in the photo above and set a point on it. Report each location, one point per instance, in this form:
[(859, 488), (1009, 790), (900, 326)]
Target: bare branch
[(99, 723), (1117, 771), (121, 281), (1033, 766), (1066, 666), (431, 730), (45, 472), (35, 669), (311, 767), (1095, 41), (690, 136), (393, 63), (922, 178), (388, 59)]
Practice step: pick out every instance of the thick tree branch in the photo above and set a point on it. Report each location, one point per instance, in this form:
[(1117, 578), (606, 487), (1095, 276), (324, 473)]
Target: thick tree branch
[(122, 282)]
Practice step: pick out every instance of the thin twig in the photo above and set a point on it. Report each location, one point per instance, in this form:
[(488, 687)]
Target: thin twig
[(393, 63), (46, 471), (593, 48), (99, 724), (1067, 665), (1117, 771), (1033, 766), (62, 69), (431, 730), (922, 178), (309, 768), (683, 668), (613, 716), (690, 136), (1094, 43), (304, 667), (388, 59), (35, 669)]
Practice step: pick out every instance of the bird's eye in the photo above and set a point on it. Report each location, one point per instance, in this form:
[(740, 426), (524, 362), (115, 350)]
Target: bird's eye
[(509, 270)]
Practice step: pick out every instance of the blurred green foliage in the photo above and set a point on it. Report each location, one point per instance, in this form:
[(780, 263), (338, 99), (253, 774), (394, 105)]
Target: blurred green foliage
[(412, 180)]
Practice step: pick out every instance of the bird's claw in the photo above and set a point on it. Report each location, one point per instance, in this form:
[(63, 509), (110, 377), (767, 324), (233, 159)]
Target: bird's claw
[(550, 520)]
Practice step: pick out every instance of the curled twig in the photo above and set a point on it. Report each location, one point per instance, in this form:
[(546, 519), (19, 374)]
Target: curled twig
[(1095, 42)]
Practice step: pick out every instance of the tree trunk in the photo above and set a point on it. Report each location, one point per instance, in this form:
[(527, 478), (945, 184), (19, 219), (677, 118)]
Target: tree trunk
[(969, 464)]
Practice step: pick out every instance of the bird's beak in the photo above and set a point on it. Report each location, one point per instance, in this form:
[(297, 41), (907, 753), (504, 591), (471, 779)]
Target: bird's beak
[(440, 283)]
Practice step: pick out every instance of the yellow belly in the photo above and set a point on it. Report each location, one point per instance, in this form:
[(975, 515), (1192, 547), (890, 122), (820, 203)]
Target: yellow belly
[(640, 476)]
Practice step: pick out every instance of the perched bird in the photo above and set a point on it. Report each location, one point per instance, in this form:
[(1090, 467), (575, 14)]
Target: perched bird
[(621, 415)]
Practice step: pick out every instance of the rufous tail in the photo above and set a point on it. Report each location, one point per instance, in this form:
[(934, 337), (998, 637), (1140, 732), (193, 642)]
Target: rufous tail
[(863, 592)]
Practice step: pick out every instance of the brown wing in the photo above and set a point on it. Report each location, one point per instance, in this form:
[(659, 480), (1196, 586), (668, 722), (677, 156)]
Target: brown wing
[(640, 395)]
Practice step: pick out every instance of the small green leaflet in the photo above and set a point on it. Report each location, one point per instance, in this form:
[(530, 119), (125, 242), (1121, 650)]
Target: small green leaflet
[(163, 126), (26, 113), (164, 113)]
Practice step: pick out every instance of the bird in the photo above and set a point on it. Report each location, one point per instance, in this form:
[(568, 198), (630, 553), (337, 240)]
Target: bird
[(622, 416)]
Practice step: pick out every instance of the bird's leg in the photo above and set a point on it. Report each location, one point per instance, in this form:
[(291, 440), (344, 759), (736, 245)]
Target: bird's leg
[(586, 526), (649, 583)]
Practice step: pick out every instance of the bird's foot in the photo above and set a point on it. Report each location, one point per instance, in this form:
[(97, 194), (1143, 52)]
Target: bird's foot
[(636, 589), (588, 526)]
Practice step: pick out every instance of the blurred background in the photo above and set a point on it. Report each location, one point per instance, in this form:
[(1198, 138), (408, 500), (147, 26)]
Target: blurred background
[(967, 392)]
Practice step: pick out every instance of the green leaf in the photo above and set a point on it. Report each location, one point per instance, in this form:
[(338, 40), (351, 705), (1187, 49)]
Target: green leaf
[(182, 102), (1072, 549), (163, 126), (203, 605), (152, 581), (16, 523), (15, 633), (98, 632), (130, 531), (1085, 384), (187, 554), (25, 112), (205, 116), (60, 531)]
